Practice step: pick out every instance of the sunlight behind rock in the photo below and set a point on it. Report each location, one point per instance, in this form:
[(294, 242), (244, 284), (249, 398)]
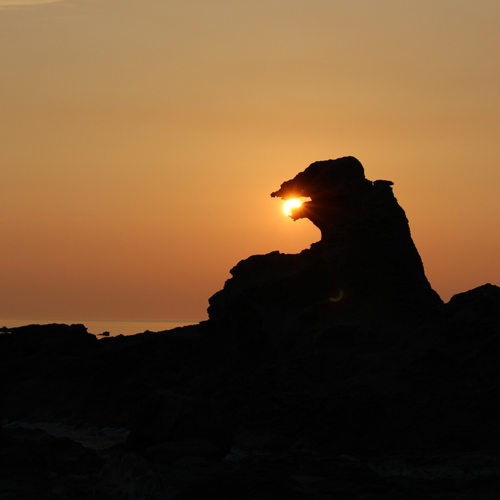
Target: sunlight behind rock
[(287, 207)]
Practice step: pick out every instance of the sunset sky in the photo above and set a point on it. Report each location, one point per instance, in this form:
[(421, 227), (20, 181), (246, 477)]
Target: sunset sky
[(141, 139)]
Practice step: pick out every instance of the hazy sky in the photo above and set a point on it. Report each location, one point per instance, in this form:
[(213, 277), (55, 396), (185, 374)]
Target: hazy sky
[(140, 140)]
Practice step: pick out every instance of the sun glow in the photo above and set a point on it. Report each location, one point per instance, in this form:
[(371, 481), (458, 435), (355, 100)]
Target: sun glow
[(289, 205)]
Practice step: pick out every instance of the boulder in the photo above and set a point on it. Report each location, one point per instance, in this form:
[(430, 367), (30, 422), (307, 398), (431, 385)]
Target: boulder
[(34, 464), (480, 305), (169, 426)]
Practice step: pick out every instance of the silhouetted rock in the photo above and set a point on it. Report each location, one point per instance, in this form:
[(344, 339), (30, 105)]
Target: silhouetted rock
[(481, 304), (169, 426), (35, 465), (347, 334), (75, 377), (34, 338), (364, 271), (344, 374)]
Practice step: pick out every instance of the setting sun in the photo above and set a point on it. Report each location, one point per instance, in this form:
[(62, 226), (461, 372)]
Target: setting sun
[(291, 204)]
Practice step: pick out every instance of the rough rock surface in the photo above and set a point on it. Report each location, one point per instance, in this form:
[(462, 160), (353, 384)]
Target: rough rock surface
[(172, 426)]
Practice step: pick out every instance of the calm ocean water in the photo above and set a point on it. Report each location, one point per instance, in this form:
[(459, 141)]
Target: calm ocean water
[(114, 327)]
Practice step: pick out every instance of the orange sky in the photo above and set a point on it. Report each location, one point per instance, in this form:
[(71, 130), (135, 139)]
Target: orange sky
[(140, 140)]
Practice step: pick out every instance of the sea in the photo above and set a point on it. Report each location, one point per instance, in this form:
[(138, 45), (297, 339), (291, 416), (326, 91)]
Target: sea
[(99, 326)]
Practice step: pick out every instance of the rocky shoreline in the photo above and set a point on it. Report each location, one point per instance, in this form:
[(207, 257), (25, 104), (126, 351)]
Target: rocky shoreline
[(334, 373), (37, 465)]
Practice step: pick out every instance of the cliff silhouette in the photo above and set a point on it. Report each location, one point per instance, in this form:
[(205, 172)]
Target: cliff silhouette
[(337, 371), (365, 270)]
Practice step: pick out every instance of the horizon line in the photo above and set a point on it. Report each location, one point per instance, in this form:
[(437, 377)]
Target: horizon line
[(107, 320)]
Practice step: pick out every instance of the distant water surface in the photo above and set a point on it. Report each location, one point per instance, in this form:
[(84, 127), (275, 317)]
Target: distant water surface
[(114, 327)]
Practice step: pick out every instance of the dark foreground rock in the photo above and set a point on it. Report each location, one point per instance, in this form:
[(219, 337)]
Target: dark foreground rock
[(96, 382), (169, 426), (337, 372), (34, 465)]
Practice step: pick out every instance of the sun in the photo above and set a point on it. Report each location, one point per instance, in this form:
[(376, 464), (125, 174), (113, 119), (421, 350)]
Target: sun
[(291, 204)]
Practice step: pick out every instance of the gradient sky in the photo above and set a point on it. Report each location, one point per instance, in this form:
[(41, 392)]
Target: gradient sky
[(140, 140)]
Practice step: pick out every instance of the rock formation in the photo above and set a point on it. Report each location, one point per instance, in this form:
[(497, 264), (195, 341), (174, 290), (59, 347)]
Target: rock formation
[(342, 371), (365, 270), (174, 426)]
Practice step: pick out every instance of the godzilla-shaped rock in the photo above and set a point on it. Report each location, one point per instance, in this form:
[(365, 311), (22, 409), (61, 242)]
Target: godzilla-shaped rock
[(365, 270)]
